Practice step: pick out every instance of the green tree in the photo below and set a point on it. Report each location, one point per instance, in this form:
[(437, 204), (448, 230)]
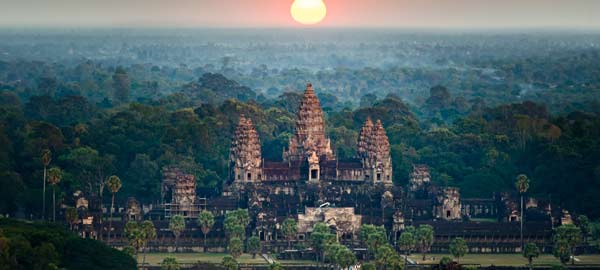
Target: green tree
[(289, 229), (275, 266), (54, 177), (522, 185), (424, 238), (344, 257), (148, 233), (169, 263), (320, 237), (206, 220), (368, 266), (584, 224), (407, 244), (236, 222), (530, 252), (134, 236), (114, 185), (458, 248), (253, 245), (566, 238), (235, 247), (387, 258), (46, 159), (177, 225), (372, 236), (229, 263)]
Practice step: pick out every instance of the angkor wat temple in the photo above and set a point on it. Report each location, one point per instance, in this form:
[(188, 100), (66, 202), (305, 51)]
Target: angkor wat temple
[(311, 185)]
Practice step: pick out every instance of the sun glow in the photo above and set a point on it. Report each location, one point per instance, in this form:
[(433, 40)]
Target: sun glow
[(308, 11)]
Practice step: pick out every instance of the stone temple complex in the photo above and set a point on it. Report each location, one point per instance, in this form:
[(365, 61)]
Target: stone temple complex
[(309, 156), (310, 184)]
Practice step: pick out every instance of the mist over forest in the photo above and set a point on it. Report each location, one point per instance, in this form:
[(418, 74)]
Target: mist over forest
[(477, 107)]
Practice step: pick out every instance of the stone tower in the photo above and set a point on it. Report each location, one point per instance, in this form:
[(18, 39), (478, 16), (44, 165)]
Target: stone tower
[(364, 137), (245, 155), (310, 131), (374, 149)]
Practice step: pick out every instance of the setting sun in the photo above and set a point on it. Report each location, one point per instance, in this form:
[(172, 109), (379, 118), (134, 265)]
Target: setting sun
[(308, 11)]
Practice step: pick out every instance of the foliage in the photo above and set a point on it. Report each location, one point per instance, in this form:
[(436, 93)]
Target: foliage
[(458, 248), (253, 245), (42, 246), (236, 222), (275, 266), (169, 263), (235, 247), (531, 251), (566, 238), (320, 238), (229, 263), (424, 237), (407, 242), (289, 229), (387, 258)]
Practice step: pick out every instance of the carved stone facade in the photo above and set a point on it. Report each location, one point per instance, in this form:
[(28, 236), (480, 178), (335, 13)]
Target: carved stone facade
[(419, 178), (309, 156), (449, 206), (179, 193), (134, 210), (310, 136), (245, 154), (342, 220)]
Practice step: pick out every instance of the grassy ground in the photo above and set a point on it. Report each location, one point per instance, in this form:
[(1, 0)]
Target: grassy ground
[(507, 259), (156, 258), (482, 259)]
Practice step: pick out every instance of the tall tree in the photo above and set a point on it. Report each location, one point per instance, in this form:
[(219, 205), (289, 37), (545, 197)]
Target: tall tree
[(289, 229), (46, 159), (54, 177), (566, 238), (320, 238), (114, 185), (407, 243), (530, 252), (424, 238), (149, 233), (253, 245), (522, 185), (177, 225), (235, 247), (458, 248), (206, 220)]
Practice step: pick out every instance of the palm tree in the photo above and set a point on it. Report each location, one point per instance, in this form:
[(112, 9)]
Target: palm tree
[(522, 186), (206, 220), (46, 158), (54, 177), (149, 233), (177, 225), (113, 184)]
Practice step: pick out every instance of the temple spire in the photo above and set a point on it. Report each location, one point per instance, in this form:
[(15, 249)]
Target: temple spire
[(309, 136), (245, 151)]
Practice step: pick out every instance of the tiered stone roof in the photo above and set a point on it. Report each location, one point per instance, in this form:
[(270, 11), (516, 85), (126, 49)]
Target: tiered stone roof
[(245, 147), (373, 143), (310, 130)]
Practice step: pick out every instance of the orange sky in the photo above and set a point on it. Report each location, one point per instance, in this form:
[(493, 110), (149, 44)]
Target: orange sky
[(275, 13)]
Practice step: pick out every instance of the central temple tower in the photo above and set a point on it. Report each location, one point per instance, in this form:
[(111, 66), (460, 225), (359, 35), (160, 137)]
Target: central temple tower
[(309, 137)]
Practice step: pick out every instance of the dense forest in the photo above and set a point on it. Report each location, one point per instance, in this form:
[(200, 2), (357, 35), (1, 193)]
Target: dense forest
[(477, 122)]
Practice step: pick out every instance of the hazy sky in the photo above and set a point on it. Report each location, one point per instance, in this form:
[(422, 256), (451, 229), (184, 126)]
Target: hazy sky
[(276, 13)]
